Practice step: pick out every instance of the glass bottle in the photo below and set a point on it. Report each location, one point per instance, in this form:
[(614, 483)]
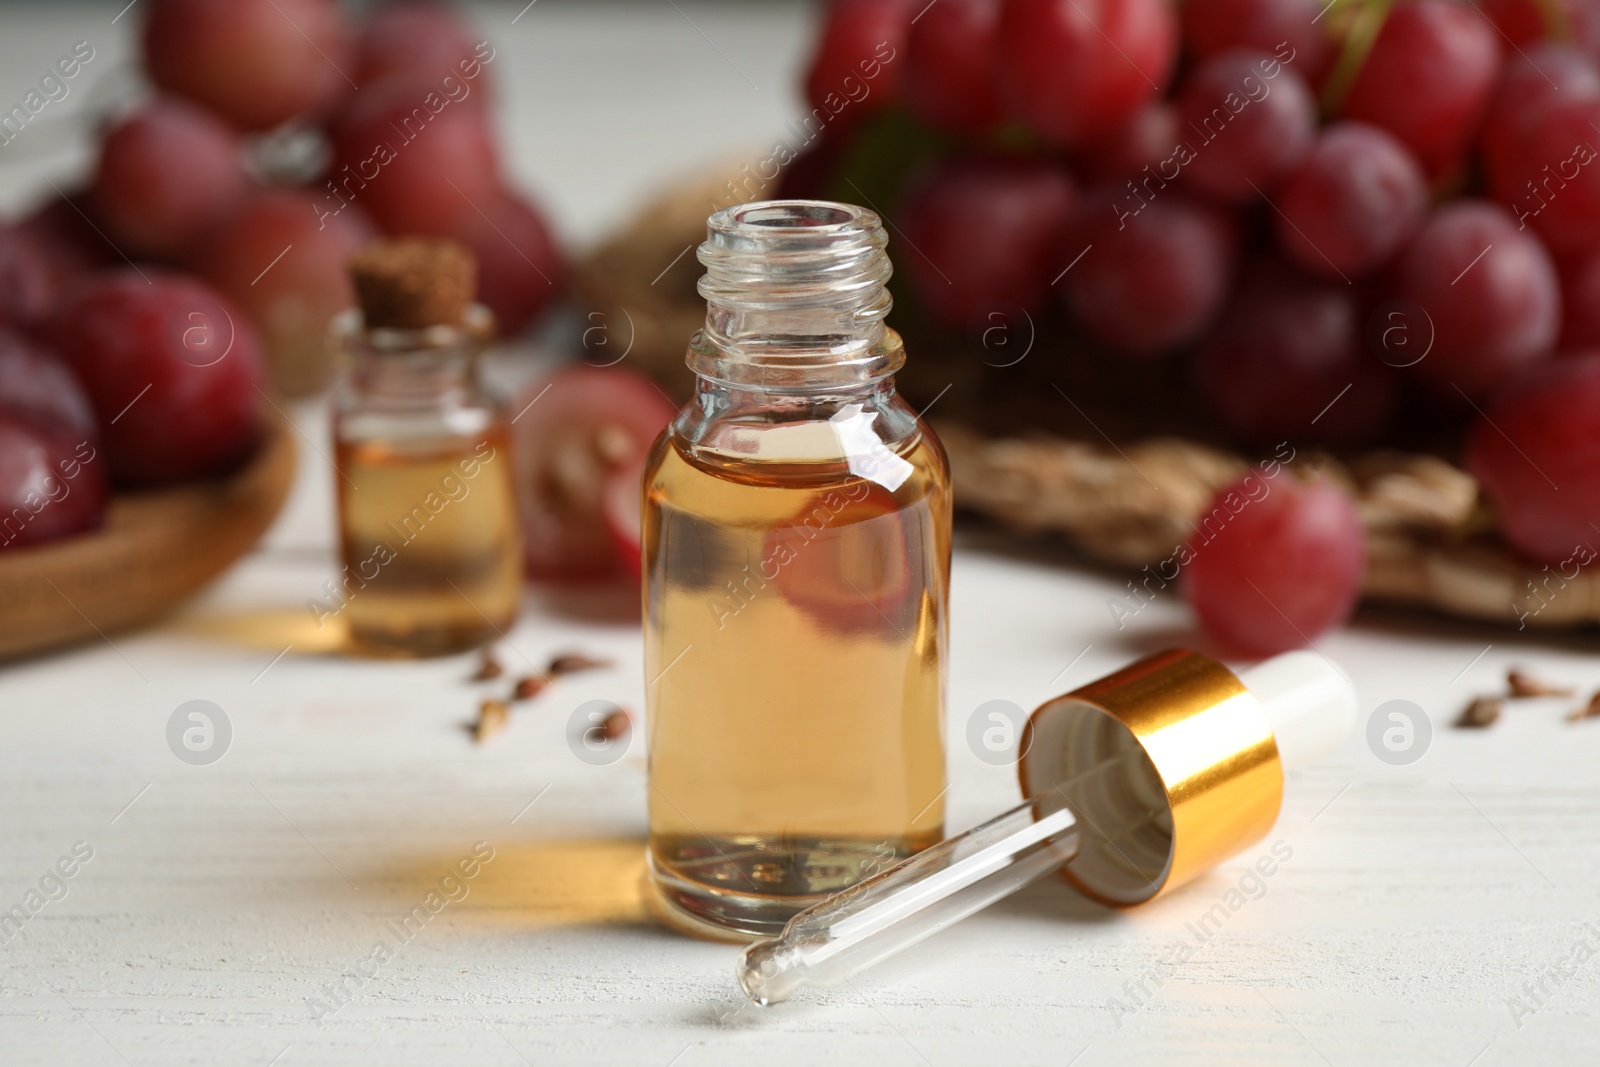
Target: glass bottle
[(428, 521), (796, 555)]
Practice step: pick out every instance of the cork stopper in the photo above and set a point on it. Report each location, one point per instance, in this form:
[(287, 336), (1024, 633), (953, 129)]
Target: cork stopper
[(413, 283)]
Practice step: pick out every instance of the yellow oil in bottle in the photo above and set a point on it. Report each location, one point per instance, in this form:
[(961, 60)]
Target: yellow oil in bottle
[(794, 645), (432, 558)]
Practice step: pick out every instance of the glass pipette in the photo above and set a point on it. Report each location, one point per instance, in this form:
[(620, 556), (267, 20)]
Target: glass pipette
[(1117, 818)]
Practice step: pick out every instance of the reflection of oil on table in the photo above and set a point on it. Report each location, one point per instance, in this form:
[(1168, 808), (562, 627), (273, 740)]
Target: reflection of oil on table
[(302, 897)]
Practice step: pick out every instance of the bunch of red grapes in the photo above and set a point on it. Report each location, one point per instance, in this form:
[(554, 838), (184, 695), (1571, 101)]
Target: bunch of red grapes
[(141, 317), (1336, 221)]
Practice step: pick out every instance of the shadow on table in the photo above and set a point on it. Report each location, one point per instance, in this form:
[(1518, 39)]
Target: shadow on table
[(269, 629), (568, 882)]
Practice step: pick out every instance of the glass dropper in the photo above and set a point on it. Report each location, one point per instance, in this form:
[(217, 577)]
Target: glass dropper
[(893, 910), (1119, 811)]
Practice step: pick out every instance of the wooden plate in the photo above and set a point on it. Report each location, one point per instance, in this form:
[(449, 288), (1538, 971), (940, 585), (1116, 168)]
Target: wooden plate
[(155, 550)]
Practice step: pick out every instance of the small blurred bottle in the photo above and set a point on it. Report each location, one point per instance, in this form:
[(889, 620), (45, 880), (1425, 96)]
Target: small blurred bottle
[(427, 507)]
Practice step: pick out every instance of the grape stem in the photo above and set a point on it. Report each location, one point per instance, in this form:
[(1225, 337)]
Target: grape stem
[(1361, 20)]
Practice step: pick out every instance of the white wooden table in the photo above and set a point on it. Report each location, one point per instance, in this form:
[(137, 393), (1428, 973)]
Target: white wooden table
[(233, 913)]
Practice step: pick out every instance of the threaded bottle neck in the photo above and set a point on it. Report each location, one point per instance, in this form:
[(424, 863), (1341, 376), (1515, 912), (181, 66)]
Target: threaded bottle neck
[(795, 296)]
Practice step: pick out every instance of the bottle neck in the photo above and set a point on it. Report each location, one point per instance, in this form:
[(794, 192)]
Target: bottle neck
[(433, 367), (796, 297)]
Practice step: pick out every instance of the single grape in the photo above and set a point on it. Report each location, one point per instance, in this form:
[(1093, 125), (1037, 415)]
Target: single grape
[(859, 58), (173, 371), (257, 63), (825, 582), (622, 507), (167, 175), (415, 161), (1428, 79), (1537, 456), (69, 242), (52, 468), (520, 272), (1287, 362), (287, 269), (1527, 23), (1153, 273), (52, 484), (1580, 303), (1520, 132), (574, 431), (983, 234), (1274, 563), (1544, 74), (1211, 27), (810, 173), (1249, 119), (1550, 179), (1075, 69), (1489, 291), (418, 38), (950, 59), (1352, 203), (1148, 138), (28, 285), (34, 384)]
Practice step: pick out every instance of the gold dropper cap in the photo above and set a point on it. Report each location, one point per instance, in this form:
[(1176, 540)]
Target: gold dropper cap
[(1201, 778)]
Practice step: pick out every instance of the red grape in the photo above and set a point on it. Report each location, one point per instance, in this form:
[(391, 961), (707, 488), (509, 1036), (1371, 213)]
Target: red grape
[(984, 233), (1211, 27), (1154, 273), (1274, 563), (1355, 200), (1545, 97), (1550, 179), (1075, 69), (1546, 74), (27, 283), (856, 68), (69, 242), (1530, 22), (417, 38), (1580, 303), (809, 174), (52, 483), (1428, 79), (172, 369), (418, 162), (52, 472), (1287, 363), (1490, 292), (1249, 119), (167, 175), (36, 385), (622, 505), (572, 433), (519, 268), (1147, 138), (950, 59), (288, 271), (257, 63), (1537, 456)]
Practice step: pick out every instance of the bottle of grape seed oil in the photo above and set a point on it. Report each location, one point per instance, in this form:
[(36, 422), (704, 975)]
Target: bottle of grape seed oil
[(427, 507), (796, 558)]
